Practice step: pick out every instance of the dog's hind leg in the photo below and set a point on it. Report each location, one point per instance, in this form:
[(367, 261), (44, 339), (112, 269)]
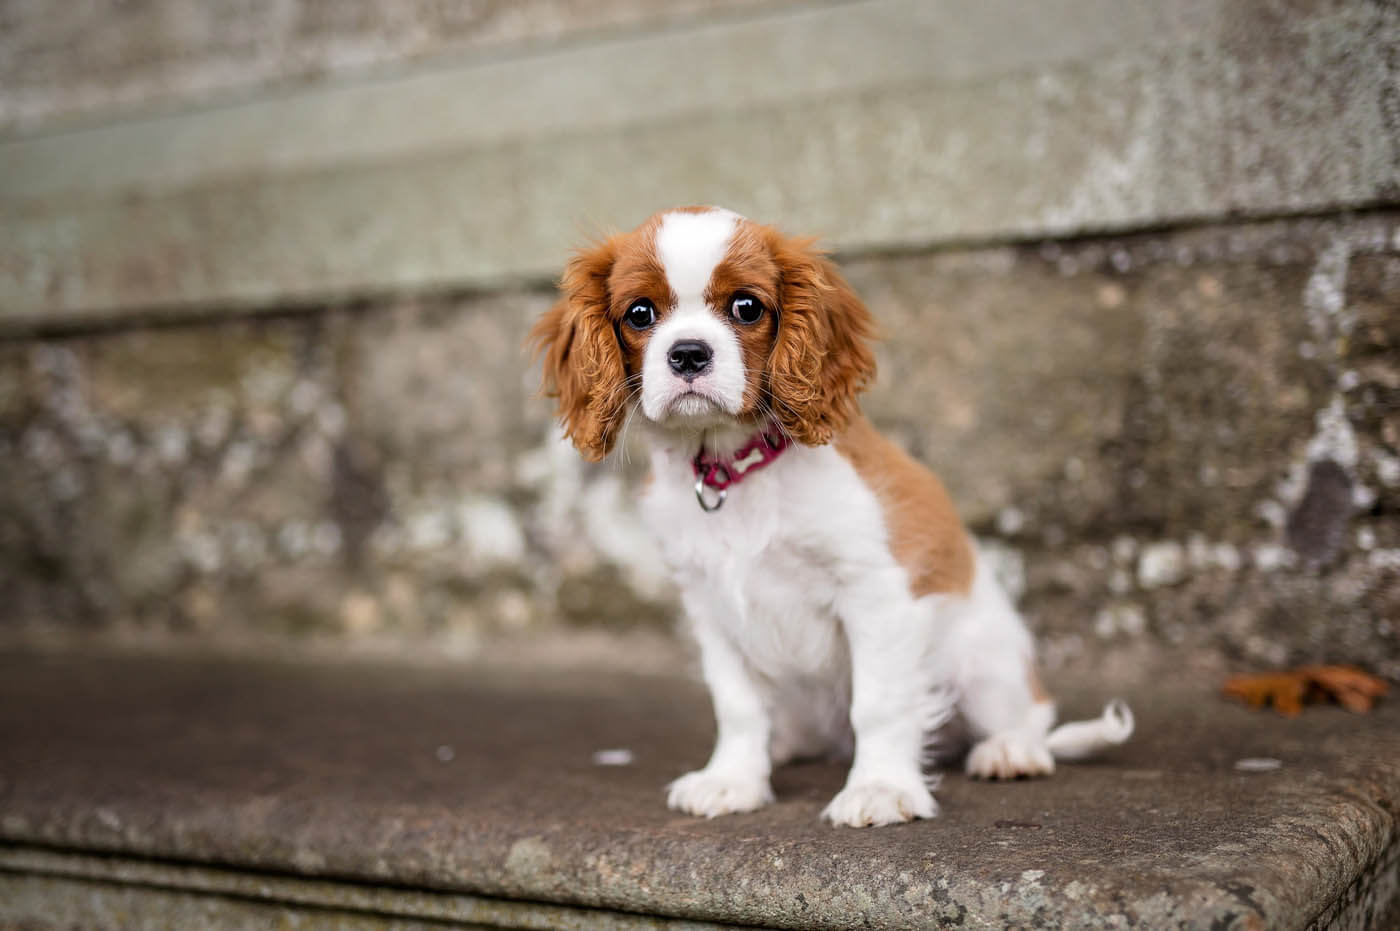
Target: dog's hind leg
[(1009, 716)]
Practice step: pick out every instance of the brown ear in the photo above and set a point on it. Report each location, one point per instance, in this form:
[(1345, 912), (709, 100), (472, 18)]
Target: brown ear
[(822, 358), (582, 361)]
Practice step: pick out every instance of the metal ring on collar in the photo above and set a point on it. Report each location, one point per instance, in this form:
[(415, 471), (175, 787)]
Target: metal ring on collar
[(700, 496)]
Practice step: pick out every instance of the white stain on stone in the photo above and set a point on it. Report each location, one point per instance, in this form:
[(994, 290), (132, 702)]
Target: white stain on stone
[(304, 397), (1272, 513), (1384, 559), (1333, 437), (1227, 556), (1271, 557), (1204, 555), (491, 532), (1362, 498), (429, 529), (1131, 620), (1324, 296), (1124, 618), (238, 462), (172, 444), (1161, 563), (1388, 469), (202, 551), (1010, 521), (294, 538), (214, 424)]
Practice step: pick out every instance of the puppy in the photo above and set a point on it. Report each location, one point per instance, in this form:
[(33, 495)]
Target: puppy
[(838, 603)]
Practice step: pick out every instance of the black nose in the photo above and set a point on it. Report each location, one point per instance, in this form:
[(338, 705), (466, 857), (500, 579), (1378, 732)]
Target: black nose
[(690, 359)]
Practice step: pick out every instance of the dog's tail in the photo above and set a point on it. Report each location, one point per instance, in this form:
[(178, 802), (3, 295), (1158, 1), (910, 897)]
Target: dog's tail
[(1078, 740)]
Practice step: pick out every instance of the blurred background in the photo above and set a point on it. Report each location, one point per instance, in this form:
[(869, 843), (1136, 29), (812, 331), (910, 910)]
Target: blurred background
[(266, 267)]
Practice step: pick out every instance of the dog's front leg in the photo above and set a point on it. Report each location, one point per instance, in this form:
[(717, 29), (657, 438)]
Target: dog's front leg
[(893, 704), (736, 778)]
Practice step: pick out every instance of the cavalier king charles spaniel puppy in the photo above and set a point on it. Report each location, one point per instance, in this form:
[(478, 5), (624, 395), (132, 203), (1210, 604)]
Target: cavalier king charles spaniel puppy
[(838, 602)]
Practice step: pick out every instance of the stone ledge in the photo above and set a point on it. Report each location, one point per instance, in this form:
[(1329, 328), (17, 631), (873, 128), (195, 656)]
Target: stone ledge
[(81, 891), (914, 132), (377, 785)]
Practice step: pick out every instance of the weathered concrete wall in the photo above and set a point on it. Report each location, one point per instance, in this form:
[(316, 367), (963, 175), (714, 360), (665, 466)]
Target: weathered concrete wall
[(880, 124), (90, 59), (1186, 438)]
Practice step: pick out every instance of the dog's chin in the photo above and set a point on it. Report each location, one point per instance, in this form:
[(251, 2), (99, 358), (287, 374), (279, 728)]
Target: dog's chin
[(691, 411)]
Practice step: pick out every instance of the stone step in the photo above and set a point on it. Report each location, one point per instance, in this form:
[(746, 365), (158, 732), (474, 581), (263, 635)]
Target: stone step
[(174, 790), (883, 124)]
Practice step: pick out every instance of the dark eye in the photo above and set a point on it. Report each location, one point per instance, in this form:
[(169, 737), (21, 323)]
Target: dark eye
[(745, 308), (640, 315)]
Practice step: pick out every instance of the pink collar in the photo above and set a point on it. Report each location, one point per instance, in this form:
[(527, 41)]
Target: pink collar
[(761, 449)]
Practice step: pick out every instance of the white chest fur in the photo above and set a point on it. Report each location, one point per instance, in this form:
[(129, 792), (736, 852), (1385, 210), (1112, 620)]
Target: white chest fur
[(768, 567)]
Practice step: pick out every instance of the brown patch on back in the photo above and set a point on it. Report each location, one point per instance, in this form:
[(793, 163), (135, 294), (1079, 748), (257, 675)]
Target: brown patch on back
[(925, 533)]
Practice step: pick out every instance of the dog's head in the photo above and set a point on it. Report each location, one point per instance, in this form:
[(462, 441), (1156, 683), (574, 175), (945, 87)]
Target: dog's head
[(700, 319)]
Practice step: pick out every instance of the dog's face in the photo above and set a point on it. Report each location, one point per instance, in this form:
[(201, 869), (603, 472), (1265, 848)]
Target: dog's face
[(699, 319)]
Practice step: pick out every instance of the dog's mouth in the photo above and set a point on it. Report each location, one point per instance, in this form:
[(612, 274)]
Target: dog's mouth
[(689, 406), (691, 403)]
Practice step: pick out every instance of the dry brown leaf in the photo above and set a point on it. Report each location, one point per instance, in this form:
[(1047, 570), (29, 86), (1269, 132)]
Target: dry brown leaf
[(1283, 690), (1353, 689), (1289, 690)]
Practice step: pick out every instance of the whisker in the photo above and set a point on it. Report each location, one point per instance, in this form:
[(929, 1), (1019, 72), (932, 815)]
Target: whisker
[(772, 415), (626, 457)]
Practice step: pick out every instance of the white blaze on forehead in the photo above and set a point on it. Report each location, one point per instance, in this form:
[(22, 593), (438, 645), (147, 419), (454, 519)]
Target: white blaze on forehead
[(690, 245)]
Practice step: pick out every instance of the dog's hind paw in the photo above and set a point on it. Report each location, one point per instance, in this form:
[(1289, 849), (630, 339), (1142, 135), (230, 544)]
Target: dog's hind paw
[(1010, 756)]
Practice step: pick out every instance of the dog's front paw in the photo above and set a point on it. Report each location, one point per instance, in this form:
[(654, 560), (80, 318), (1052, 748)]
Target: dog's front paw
[(870, 804), (709, 794), (1008, 756)]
